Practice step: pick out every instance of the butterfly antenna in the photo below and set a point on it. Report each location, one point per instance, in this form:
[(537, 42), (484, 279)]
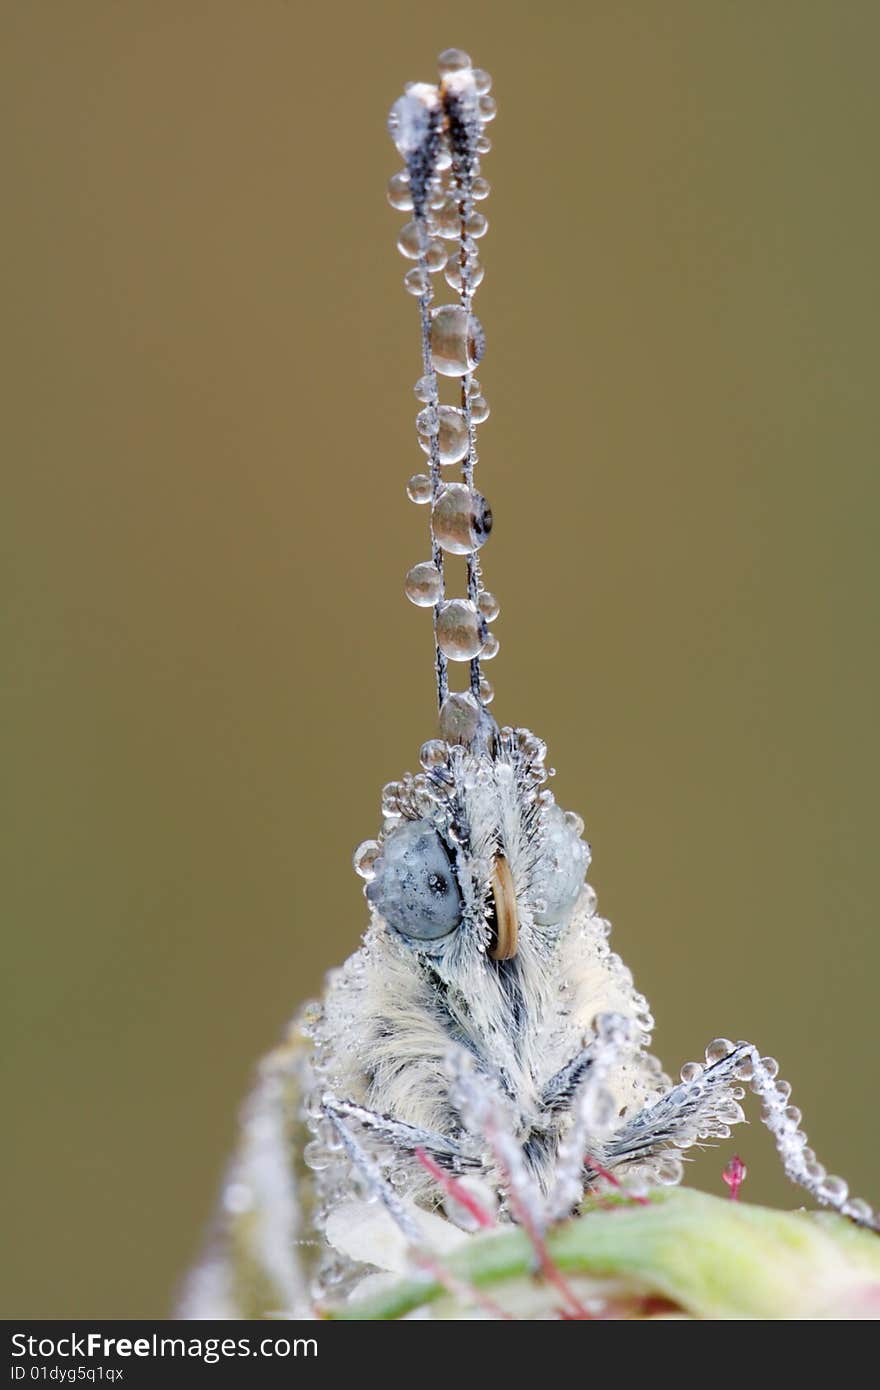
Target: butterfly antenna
[(439, 132)]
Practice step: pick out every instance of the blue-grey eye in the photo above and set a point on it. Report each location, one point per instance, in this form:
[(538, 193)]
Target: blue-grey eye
[(414, 888), (559, 877)]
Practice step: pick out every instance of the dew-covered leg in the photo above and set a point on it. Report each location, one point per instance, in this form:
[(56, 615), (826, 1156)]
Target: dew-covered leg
[(800, 1163), (706, 1103), (561, 1088), (485, 1112), (400, 1136), (369, 1170), (592, 1108), (487, 1115), (702, 1106)]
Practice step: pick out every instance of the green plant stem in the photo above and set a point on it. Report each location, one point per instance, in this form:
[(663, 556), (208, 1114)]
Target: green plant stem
[(708, 1256)]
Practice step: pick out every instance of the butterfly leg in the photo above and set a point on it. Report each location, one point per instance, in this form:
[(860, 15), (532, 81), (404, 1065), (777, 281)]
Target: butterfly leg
[(701, 1107), (799, 1162), (581, 1087), (560, 1090), (366, 1165), (400, 1136), (704, 1106)]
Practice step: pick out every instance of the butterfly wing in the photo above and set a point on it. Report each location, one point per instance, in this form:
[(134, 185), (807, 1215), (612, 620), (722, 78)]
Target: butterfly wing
[(256, 1264)]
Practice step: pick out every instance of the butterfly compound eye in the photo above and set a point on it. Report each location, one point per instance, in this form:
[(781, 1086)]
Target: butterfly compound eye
[(560, 874), (415, 889)]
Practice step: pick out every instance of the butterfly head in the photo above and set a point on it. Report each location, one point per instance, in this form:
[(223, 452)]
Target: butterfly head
[(475, 862)]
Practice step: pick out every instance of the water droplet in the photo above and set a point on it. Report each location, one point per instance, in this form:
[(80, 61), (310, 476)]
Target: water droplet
[(434, 753), (476, 224), (484, 144), (669, 1170), (454, 276), (417, 281), (834, 1190), (745, 1067), (480, 188), (390, 799), (444, 157), (532, 748), (691, 1071), (428, 421), (399, 192), (718, 1050), (425, 389), (451, 429), (314, 1104), (730, 1111), (423, 584), (461, 520), (409, 242), (326, 1131), (435, 256), (364, 858), (457, 341), (459, 717), (419, 489), (488, 606), (316, 1156), (491, 647), (574, 822), (488, 108), (479, 409), (448, 219), (459, 630), (859, 1210), (487, 691), (452, 60)]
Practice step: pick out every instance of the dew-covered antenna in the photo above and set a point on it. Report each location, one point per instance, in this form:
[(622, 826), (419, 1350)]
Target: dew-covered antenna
[(439, 131)]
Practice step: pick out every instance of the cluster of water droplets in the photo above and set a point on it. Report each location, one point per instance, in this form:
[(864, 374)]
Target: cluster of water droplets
[(440, 133), (448, 765), (710, 1091)]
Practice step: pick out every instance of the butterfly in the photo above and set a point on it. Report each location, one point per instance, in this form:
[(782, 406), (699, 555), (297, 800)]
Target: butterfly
[(484, 1055)]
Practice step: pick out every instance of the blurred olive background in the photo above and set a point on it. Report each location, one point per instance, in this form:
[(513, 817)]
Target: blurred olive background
[(210, 666)]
